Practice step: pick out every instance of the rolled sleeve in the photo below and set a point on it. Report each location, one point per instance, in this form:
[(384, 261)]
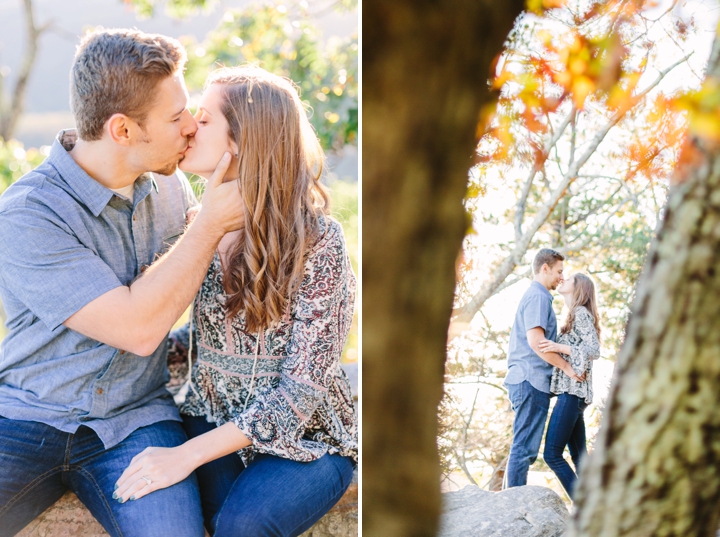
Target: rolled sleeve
[(536, 313), (276, 421), (48, 268)]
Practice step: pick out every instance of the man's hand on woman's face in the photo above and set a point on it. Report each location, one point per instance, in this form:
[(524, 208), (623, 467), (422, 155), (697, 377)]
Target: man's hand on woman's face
[(222, 204)]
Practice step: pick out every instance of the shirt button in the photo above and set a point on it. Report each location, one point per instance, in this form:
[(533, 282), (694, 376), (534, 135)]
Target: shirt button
[(99, 391), (134, 217)]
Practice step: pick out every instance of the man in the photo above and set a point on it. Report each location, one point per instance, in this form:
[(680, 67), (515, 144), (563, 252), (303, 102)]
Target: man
[(529, 369), (82, 369)]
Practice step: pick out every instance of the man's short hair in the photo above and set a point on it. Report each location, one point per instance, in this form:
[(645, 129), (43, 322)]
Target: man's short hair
[(116, 71), (546, 256)]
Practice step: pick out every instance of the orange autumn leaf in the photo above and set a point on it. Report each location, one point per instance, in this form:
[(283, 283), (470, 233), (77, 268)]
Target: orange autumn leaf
[(540, 6), (582, 86)]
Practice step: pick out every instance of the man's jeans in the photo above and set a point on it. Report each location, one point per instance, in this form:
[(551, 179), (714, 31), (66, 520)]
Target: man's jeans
[(566, 428), (272, 496), (39, 463), (531, 408)]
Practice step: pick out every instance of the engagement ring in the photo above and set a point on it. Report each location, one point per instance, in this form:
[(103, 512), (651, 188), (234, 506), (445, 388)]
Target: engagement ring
[(147, 479)]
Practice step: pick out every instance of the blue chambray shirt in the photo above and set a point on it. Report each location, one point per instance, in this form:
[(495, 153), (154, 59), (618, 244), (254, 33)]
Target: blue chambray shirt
[(64, 241), (535, 310)]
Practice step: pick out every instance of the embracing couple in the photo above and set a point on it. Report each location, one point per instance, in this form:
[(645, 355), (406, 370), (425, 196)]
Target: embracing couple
[(103, 248), (542, 364)]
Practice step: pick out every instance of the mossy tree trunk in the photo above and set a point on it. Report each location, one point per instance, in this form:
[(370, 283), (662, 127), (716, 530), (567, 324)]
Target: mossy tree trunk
[(655, 470), (426, 67)]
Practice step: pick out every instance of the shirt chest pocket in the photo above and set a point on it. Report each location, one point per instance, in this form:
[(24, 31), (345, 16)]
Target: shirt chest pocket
[(171, 238)]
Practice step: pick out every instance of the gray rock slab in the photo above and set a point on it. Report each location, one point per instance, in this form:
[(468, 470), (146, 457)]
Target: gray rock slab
[(516, 512)]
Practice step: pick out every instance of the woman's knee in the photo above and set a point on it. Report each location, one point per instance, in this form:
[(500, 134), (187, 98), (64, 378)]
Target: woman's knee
[(552, 455)]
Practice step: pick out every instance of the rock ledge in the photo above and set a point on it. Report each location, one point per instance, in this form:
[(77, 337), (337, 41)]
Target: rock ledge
[(516, 512)]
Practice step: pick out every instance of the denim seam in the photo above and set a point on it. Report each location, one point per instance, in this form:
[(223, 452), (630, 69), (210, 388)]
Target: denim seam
[(27, 488), (68, 449), (99, 491)]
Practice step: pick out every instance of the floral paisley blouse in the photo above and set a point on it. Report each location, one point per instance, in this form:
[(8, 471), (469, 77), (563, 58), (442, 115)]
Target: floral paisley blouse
[(300, 406), (583, 341)]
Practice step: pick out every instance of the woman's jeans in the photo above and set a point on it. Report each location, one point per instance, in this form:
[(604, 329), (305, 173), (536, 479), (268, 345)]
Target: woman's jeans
[(566, 428), (272, 496)]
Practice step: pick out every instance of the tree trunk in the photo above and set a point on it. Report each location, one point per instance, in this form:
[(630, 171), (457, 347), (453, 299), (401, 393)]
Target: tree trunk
[(425, 71), (655, 470), (10, 116)]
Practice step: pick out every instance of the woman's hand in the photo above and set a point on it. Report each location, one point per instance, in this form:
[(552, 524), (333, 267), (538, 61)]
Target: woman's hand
[(550, 346), (570, 372), (152, 469), (163, 467), (191, 214)]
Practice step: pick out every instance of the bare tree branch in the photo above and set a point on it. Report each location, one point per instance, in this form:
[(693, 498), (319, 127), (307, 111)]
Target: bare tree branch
[(613, 178), (551, 143), (10, 116), (462, 461), (595, 208), (574, 247)]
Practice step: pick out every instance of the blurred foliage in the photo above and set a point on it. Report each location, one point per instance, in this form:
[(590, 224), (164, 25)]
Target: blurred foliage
[(344, 205), (185, 8), (175, 8), (282, 39), (15, 161)]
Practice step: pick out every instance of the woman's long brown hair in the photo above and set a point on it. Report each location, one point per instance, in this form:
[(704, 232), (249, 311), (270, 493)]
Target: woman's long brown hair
[(583, 295), (279, 167)]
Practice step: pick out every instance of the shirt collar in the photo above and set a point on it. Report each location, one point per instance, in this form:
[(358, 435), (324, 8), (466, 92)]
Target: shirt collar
[(541, 287), (94, 195), (143, 185)]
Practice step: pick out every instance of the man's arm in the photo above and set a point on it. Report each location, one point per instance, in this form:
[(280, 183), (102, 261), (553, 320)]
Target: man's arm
[(534, 337), (138, 318)]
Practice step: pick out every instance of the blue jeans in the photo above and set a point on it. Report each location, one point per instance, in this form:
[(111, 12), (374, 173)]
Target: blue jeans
[(531, 408), (272, 496), (566, 428), (39, 463)]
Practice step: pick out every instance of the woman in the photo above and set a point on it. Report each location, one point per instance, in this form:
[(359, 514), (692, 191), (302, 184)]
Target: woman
[(272, 317), (578, 343)]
